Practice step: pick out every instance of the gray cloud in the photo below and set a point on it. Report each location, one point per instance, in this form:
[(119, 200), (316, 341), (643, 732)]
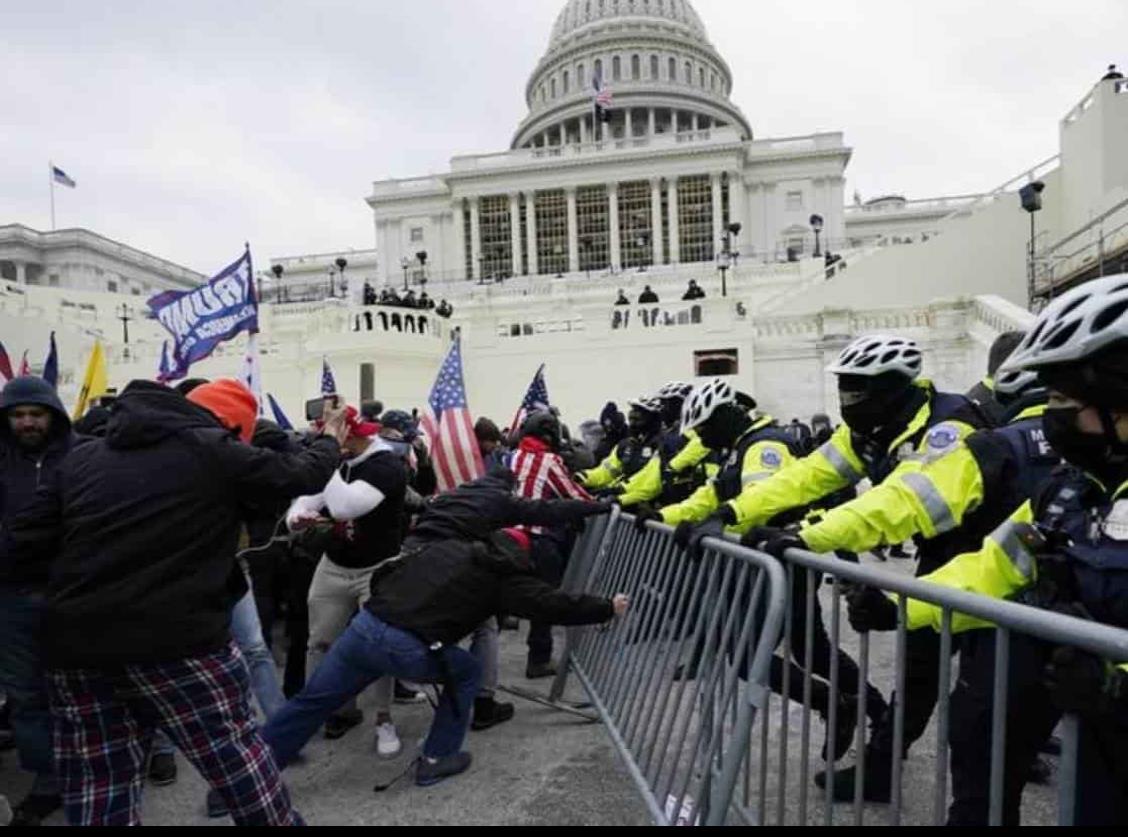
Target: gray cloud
[(192, 127)]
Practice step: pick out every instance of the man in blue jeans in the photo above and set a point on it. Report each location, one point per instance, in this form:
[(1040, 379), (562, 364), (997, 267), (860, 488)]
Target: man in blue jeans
[(35, 435), (455, 570)]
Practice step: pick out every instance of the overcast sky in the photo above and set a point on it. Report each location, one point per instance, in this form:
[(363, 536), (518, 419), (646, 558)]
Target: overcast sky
[(193, 126)]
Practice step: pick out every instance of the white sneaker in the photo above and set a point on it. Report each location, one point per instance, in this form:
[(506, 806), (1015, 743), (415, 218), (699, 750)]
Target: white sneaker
[(387, 740)]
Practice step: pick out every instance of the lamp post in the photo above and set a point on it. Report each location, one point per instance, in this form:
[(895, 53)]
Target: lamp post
[(816, 222), (405, 263), (1030, 196), (421, 257), (125, 317), (342, 263), (727, 257), (278, 270)]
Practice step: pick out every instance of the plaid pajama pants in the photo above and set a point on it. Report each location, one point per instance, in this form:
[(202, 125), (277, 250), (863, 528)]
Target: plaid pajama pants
[(104, 724)]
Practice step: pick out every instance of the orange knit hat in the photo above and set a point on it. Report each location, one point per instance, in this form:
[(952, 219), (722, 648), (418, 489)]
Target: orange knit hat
[(231, 403)]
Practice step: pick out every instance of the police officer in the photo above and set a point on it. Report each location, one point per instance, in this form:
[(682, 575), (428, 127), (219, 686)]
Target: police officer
[(983, 393), (679, 466), (894, 422), (629, 456), (752, 450), (975, 485), (1066, 549)]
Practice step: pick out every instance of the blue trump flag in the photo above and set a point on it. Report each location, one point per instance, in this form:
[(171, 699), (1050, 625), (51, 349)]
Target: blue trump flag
[(51, 366), (279, 416), (202, 318)]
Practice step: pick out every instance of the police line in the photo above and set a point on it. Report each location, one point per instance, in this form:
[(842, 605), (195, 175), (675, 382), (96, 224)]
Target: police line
[(682, 681)]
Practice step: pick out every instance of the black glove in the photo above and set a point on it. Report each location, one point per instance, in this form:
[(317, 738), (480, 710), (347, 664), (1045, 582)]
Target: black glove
[(690, 535), (868, 609), (643, 513), (1081, 682), (772, 540), (594, 509)]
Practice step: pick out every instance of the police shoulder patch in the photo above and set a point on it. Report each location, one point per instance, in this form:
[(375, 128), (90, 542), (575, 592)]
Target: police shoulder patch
[(942, 437), (771, 458)]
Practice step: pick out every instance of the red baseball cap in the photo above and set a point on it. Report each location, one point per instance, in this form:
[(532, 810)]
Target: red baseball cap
[(358, 427), (519, 537)]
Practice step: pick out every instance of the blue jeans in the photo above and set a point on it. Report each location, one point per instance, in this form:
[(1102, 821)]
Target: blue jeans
[(246, 630), (365, 652), (22, 678)]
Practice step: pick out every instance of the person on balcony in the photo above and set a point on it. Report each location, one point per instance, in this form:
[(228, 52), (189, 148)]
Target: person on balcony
[(692, 291), (647, 296), (622, 299)]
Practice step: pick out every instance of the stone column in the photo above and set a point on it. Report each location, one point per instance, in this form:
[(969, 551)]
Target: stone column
[(475, 239), (655, 219), (21, 273), (573, 234), (651, 122), (459, 267), (584, 136), (770, 228), (672, 212), (531, 230), (738, 203), (693, 121), (613, 224), (753, 233), (718, 206), (515, 232), (628, 123)]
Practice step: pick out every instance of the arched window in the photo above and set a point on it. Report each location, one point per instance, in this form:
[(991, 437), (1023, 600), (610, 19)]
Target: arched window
[(672, 69), (713, 82), (580, 79), (636, 68), (701, 76), (654, 66), (599, 69), (552, 88), (565, 77), (616, 68), (688, 73)]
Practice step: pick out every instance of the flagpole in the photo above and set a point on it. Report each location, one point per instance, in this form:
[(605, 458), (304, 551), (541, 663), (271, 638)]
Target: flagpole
[(51, 183)]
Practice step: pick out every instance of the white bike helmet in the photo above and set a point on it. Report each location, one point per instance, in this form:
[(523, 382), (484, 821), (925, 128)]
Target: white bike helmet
[(704, 400), (1011, 383), (1076, 325), (649, 404), (674, 389), (875, 354)]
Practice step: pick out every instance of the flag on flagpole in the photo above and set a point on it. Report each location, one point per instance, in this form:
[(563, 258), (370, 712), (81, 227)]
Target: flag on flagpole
[(446, 422), (62, 177), (164, 370), (279, 416), (5, 366), (252, 373), (328, 384), (25, 367), (51, 365), (536, 398), (94, 383)]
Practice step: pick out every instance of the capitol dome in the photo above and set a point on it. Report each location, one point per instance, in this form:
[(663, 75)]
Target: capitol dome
[(655, 57)]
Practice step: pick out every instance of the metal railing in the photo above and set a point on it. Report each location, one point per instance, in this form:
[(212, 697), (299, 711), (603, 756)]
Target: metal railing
[(679, 682)]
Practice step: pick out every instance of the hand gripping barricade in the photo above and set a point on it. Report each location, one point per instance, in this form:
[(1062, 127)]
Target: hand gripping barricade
[(914, 800), (680, 681)]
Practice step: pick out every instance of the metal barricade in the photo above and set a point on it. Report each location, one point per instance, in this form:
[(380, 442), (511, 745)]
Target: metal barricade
[(680, 680), (1015, 622)]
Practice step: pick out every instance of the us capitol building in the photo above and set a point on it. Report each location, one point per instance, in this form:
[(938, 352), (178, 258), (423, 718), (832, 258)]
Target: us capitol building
[(532, 244)]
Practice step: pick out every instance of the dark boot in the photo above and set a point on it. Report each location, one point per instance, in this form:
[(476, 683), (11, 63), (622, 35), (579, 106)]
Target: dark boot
[(488, 713), (341, 722), (845, 724), (536, 671), (878, 780), (35, 808)]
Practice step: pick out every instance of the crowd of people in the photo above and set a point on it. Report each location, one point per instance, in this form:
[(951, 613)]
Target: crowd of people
[(390, 296), (149, 551)]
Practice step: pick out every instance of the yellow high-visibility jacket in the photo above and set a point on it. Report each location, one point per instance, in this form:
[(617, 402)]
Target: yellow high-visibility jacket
[(647, 484)]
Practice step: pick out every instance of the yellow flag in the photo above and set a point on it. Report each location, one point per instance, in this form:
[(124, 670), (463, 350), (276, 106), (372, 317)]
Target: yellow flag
[(94, 383)]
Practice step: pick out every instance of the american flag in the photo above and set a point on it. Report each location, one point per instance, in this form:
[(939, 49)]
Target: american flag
[(251, 375), (328, 385), (600, 91), (447, 424), (25, 367), (5, 366), (536, 398)]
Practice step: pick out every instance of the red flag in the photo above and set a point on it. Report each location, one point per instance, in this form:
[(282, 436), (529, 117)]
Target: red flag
[(25, 368), (447, 424), (5, 365)]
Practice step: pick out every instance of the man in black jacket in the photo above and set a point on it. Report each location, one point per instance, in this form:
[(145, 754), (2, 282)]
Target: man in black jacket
[(35, 435), (455, 570), (143, 526)]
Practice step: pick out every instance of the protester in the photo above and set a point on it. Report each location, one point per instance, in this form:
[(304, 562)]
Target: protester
[(489, 444), (647, 295), (142, 527), (621, 299), (692, 291), (456, 569), (35, 436), (362, 504)]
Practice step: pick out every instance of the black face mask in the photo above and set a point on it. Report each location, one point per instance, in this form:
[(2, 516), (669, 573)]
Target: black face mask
[(1091, 452), (878, 406), (723, 428)]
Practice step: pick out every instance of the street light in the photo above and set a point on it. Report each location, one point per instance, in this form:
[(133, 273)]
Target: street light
[(421, 257), (405, 263), (332, 274), (278, 270), (342, 263), (727, 257), (125, 317), (816, 222), (1030, 196)]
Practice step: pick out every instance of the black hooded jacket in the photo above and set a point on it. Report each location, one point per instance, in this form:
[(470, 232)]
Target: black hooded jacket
[(22, 472), (145, 524), (456, 569)]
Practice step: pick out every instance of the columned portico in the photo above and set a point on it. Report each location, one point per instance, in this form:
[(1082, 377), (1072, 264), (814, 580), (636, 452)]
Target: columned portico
[(613, 220)]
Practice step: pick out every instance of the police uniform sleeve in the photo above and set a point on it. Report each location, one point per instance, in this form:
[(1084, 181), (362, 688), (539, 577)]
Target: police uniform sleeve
[(831, 467), (604, 474), (694, 508), (645, 484), (691, 454), (928, 494), (1003, 566)]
